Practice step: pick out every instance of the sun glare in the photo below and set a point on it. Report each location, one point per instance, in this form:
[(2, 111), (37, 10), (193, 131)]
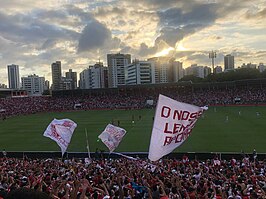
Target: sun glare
[(180, 47), (164, 52)]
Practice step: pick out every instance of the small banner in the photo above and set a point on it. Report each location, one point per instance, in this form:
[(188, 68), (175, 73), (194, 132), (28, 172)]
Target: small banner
[(61, 132), (112, 136)]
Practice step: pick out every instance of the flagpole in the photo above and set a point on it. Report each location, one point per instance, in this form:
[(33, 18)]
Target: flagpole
[(88, 148)]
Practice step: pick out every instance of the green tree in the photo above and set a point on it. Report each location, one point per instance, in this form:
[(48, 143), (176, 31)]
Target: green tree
[(192, 78)]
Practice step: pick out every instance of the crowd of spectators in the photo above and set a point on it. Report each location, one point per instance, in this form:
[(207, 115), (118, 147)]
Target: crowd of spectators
[(30, 105), (131, 178), (134, 178)]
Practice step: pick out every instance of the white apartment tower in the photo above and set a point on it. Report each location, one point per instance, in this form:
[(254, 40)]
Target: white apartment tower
[(161, 69), (167, 70), (197, 71), (84, 79), (13, 76), (116, 69), (33, 84), (94, 77), (140, 72)]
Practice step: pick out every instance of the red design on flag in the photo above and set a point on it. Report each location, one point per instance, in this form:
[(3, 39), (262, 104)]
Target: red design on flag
[(112, 136), (173, 124), (61, 132)]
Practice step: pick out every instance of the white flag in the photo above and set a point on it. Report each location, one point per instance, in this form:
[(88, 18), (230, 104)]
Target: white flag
[(172, 125), (61, 132), (126, 156), (112, 136)]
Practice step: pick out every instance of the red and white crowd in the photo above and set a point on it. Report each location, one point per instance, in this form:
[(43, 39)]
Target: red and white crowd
[(29, 105), (126, 178)]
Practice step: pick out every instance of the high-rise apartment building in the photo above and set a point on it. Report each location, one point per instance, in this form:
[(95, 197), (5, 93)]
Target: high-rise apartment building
[(116, 69), (178, 71), (65, 84), (46, 85), (33, 84), (195, 70), (56, 75), (84, 79), (94, 77), (161, 68), (207, 71), (140, 72), (73, 76), (229, 62), (13, 76), (167, 70)]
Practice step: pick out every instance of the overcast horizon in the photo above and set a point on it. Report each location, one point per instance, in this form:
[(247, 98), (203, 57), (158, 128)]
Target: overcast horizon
[(34, 34)]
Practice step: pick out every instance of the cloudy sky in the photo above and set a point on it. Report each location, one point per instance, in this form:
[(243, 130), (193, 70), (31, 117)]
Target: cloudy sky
[(35, 33)]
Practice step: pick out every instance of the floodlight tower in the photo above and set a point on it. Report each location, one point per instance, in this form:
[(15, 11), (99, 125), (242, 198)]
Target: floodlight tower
[(212, 55)]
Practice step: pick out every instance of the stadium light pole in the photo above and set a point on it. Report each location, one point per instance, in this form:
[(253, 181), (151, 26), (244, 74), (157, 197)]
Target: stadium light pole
[(212, 55)]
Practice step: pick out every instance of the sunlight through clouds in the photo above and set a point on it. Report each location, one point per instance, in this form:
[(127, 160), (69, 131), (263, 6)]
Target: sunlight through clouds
[(164, 52), (34, 33)]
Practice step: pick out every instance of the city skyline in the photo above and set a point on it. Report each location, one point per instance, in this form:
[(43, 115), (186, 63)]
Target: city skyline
[(79, 33)]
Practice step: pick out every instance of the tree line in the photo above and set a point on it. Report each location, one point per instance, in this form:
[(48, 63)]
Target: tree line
[(239, 74)]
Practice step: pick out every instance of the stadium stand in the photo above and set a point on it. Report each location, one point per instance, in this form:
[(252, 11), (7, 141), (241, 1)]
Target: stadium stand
[(129, 100), (125, 178)]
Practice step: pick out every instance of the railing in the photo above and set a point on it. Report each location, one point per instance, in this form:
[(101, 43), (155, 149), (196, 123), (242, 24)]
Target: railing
[(106, 155)]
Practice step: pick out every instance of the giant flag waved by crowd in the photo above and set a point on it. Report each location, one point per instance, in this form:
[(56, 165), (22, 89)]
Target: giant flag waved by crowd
[(112, 136), (172, 125), (61, 132)]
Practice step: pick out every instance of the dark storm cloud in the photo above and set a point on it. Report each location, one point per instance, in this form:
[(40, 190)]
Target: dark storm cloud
[(145, 50), (114, 43), (171, 35), (126, 49), (93, 36), (177, 24), (50, 14), (201, 14), (24, 29), (177, 20), (48, 44)]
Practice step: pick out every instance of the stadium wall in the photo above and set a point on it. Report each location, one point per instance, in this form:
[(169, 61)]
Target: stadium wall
[(186, 85), (191, 155)]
